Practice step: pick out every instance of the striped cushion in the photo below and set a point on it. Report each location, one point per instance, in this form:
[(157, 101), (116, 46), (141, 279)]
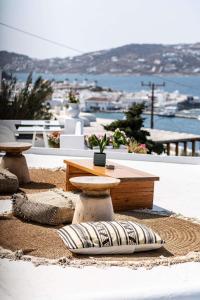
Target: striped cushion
[(109, 237)]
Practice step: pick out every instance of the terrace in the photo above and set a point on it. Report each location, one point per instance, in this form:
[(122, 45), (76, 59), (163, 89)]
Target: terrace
[(157, 191), (177, 192), (92, 208)]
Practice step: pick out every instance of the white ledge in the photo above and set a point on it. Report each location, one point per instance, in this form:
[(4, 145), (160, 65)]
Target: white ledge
[(115, 154)]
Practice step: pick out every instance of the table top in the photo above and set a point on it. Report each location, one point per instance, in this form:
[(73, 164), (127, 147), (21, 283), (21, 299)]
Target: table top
[(40, 122), (14, 147), (27, 129), (120, 172), (94, 182)]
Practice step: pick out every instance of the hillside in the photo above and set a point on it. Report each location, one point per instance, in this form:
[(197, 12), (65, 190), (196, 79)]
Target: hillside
[(129, 59)]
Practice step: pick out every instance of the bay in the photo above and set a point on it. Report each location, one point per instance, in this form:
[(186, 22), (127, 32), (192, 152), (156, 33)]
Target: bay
[(189, 85), (163, 123)]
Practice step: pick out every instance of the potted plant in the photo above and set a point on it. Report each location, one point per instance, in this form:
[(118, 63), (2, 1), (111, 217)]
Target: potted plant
[(73, 104), (91, 141), (119, 138), (100, 157), (135, 147), (54, 139)]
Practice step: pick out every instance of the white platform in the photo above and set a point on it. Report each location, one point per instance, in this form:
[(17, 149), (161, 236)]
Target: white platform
[(177, 190), (69, 141)]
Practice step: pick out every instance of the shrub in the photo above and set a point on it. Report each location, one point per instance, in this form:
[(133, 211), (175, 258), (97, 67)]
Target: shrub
[(72, 97), (29, 103), (132, 127), (54, 139), (118, 138), (93, 141), (134, 147)]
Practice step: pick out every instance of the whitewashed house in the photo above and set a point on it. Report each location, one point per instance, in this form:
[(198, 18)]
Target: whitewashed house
[(99, 104)]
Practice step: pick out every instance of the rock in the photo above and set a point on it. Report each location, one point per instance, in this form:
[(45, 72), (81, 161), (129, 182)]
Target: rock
[(8, 182)]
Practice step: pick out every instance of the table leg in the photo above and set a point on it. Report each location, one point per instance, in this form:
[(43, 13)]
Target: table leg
[(34, 138), (45, 139), (16, 164), (93, 206)]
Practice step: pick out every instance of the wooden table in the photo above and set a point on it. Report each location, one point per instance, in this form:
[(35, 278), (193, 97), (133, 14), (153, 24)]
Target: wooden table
[(14, 161), (94, 203), (135, 190)]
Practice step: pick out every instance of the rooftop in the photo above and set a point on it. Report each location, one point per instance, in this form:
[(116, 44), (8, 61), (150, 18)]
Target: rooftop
[(177, 191)]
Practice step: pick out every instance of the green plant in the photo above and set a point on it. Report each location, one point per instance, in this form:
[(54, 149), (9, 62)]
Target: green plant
[(101, 142), (29, 103), (54, 139), (132, 127), (118, 138), (91, 141), (72, 97), (134, 147)]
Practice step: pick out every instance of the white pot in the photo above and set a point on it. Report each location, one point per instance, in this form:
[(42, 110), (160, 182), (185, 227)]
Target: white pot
[(73, 110)]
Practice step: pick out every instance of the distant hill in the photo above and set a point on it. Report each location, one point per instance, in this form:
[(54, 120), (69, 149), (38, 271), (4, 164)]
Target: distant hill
[(129, 59)]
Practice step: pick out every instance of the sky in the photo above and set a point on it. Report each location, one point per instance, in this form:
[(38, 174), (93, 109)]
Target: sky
[(91, 25)]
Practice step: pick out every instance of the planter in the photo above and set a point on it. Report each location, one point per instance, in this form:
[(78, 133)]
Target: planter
[(73, 110), (108, 147), (53, 145), (99, 159)]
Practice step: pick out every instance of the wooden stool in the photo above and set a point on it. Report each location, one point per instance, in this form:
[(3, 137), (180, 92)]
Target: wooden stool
[(14, 161), (95, 202)]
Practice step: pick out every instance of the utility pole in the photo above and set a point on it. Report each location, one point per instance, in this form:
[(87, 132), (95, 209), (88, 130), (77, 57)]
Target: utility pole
[(152, 86)]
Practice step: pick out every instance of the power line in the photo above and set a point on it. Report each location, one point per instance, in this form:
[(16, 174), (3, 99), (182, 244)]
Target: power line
[(41, 38), (171, 81), (79, 51), (153, 86), (178, 83)]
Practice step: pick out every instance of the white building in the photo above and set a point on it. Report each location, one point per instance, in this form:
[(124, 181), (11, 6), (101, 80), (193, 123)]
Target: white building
[(100, 104)]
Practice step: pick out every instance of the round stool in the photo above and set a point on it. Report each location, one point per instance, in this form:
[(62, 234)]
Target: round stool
[(14, 161), (94, 203)]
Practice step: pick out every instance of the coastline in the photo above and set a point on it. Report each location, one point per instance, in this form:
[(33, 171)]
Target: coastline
[(178, 115), (113, 74)]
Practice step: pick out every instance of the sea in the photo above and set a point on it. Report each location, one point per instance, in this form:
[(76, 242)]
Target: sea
[(164, 123), (189, 85)]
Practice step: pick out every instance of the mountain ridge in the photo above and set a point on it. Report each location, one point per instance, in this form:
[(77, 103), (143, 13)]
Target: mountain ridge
[(128, 59)]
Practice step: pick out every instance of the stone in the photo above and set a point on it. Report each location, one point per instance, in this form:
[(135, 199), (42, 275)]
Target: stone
[(8, 182)]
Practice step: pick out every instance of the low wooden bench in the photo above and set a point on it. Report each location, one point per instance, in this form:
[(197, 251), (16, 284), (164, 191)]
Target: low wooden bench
[(135, 190)]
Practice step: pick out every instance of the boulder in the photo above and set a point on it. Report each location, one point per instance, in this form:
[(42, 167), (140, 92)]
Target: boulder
[(8, 182)]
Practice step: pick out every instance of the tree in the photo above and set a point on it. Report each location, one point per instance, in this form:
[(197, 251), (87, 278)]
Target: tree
[(132, 127), (29, 103)]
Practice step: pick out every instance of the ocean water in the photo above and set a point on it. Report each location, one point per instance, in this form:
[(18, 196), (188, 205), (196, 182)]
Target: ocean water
[(163, 123), (189, 85)]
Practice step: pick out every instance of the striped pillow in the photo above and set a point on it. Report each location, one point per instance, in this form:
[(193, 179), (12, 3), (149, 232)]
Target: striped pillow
[(109, 237)]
